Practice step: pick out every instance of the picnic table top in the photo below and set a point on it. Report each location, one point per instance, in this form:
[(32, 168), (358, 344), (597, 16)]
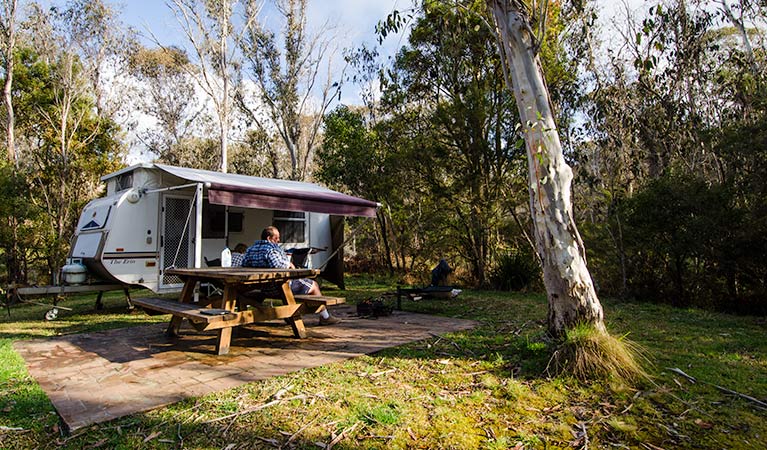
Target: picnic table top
[(243, 274)]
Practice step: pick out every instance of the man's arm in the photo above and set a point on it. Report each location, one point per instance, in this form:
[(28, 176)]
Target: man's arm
[(278, 259)]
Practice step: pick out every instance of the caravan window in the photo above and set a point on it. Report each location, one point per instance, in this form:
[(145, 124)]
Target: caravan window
[(214, 221), (292, 226), (124, 181)]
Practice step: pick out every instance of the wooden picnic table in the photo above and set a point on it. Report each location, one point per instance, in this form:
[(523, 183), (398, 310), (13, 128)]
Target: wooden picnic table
[(231, 280)]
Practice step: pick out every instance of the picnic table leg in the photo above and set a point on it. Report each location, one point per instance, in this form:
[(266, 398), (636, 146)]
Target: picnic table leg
[(224, 340), (230, 297), (296, 322), (225, 335), (173, 326), (186, 296)]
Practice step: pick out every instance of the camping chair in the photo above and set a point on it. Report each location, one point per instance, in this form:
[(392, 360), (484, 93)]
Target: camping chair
[(212, 262), (437, 289), (210, 288), (300, 256)]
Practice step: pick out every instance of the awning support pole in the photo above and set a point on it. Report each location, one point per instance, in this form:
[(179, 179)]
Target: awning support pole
[(198, 237), (198, 228), (172, 188)]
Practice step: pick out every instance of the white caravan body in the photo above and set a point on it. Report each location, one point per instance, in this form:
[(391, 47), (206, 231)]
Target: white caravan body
[(156, 216)]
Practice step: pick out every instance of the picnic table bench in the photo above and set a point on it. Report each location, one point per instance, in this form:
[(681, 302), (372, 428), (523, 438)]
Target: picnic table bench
[(228, 312), (318, 301)]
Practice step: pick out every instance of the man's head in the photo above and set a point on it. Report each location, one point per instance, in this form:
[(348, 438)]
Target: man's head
[(271, 234)]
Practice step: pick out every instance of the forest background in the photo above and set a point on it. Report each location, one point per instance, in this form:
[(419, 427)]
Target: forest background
[(663, 121)]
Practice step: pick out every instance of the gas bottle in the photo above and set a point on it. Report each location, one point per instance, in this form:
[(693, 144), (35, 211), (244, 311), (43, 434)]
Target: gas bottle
[(226, 257)]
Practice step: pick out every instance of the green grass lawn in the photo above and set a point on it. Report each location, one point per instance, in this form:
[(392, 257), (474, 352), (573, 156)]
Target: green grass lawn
[(487, 388)]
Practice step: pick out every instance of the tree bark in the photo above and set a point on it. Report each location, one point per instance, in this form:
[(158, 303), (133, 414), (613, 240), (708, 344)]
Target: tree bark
[(9, 32), (385, 240), (571, 295), (223, 114)]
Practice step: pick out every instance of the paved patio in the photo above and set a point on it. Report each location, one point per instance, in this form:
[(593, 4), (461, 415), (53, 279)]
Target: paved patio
[(96, 377)]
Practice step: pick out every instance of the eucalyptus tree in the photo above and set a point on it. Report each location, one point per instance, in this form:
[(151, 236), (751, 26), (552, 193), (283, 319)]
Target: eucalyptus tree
[(457, 139), (7, 47), (164, 73), (652, 98), (67, 145), (8, 178), (55, 42), (292, 72), (58, 178), (369, 159), (207, 26), (103, 43), (676, 118), (739, 14), (570, 289)]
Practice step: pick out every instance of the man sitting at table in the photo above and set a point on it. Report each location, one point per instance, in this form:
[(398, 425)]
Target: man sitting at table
[(268, 253)]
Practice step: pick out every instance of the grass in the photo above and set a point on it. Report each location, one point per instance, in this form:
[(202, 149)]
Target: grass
[(482, 389), (588, 353)]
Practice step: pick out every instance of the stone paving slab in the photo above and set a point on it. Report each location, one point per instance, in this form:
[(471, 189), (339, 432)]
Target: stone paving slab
[(96, 377)]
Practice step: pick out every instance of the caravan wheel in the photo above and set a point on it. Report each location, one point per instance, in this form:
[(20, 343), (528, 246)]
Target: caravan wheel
[(52, 314)]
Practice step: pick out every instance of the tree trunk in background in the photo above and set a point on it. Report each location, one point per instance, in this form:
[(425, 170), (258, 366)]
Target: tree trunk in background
[(207, 25), (739, 25), (9, 36), (385, 240), (571, 294), (224, 118)]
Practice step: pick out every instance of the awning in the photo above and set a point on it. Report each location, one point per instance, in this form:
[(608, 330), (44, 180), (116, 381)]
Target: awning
[(267, 193)]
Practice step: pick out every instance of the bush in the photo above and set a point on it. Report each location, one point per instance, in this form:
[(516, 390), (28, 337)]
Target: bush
[(689, 243), (517, 271)]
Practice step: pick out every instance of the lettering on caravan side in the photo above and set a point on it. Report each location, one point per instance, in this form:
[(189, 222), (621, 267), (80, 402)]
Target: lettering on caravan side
[(126, 258)]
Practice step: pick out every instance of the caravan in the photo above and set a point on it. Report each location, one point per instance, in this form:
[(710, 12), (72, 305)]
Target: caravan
[(156, 217)]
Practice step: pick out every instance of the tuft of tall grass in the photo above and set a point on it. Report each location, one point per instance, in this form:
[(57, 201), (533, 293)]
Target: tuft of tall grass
[(588, 354)]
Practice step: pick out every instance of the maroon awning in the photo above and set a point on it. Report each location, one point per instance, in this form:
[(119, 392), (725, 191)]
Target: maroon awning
[(320, 202), (267, 193)]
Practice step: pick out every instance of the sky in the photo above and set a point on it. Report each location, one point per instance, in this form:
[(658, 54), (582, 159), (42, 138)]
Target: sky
[(350, 22)]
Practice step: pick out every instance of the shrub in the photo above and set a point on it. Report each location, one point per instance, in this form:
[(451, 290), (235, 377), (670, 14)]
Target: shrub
[(691, 243), (517, 271)]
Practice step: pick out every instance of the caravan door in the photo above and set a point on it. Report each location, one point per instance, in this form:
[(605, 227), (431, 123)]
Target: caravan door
[(177, 224)]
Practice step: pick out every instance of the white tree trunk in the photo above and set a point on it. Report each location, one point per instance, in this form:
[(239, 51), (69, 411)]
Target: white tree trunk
[(9, 36), (207, 26), (739, 25), (223, 20), (571, 294), (10, 121)]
